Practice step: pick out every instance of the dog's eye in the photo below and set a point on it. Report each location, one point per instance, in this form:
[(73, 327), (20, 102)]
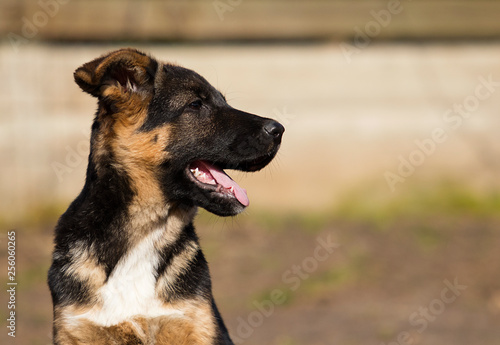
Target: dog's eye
[(196, 104)]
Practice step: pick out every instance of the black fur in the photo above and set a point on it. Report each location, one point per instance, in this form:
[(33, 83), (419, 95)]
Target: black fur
[(220, 134)]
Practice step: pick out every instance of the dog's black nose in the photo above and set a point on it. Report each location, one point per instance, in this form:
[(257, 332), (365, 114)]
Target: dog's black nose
[(274, 129)]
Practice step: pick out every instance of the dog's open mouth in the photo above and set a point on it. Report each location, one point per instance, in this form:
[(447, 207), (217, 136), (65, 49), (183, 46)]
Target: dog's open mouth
[(213, 178)]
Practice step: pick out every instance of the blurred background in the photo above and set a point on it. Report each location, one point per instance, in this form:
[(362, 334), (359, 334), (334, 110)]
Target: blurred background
[(378, 223)]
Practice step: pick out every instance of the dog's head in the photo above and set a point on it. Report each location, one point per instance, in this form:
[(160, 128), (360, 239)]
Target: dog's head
[(172, 133)]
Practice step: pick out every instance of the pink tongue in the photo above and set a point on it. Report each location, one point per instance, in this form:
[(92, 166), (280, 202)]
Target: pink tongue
[(226, 182)]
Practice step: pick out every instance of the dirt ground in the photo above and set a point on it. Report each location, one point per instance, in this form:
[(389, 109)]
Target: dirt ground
[(367, 285), (378, 223)]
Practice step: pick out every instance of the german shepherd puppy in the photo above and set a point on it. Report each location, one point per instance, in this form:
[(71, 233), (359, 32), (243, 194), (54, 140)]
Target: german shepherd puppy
[(127, 265)]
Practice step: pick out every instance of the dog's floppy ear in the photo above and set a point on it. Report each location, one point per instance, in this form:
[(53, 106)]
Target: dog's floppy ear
[(127, 68)]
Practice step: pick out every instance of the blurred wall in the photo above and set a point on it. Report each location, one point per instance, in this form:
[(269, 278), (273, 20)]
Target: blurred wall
[(202, 20), (348, 122), (353, 109)]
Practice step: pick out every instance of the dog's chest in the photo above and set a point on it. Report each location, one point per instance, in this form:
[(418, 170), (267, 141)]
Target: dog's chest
[(131, 288)]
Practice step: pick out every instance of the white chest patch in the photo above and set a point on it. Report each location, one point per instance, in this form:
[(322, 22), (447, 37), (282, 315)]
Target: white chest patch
[(130, 289)]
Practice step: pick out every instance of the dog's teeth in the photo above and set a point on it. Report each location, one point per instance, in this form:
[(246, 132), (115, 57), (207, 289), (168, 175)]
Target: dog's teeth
[(231, 189), (197, 173)]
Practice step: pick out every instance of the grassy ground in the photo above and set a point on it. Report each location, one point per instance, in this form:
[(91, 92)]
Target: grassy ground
[(378, 268)]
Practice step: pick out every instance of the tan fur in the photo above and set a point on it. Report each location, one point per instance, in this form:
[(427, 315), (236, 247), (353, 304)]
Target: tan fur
[(84, 266), (179, 264), (138, 153), (177, 219), (196, 327)]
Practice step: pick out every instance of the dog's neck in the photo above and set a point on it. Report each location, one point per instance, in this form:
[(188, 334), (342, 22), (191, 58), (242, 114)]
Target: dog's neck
[(130, 188), (109, 209)]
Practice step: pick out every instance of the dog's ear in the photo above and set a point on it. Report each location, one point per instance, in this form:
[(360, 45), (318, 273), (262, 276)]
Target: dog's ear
[(127, 69)]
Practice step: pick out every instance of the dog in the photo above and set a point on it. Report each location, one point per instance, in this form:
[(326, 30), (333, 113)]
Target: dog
[(127, 266)]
